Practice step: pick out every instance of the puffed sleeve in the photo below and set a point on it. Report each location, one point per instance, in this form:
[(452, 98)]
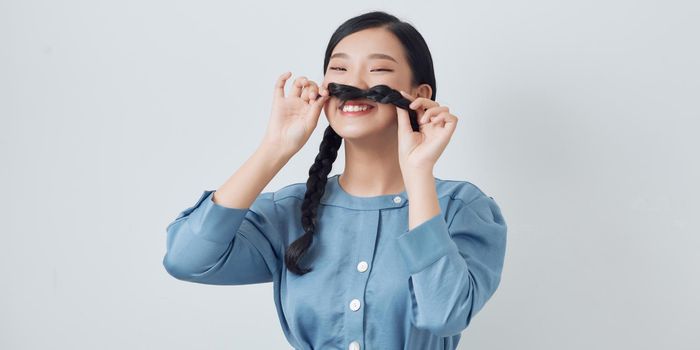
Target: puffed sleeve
[(212, 244), (455, 265)]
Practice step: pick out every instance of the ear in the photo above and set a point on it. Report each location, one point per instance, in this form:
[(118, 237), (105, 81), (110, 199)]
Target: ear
[(423, 90)]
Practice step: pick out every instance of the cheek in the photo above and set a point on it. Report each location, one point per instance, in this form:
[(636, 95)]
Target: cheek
[(387, 113), (330, 107)]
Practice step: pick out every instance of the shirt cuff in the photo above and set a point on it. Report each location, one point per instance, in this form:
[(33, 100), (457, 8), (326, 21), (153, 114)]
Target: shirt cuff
[(214, 222), (426, 243)]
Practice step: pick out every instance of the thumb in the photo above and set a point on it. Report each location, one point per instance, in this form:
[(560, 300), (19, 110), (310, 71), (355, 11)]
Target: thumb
[(318, 103), (316, 107), (404, 121)]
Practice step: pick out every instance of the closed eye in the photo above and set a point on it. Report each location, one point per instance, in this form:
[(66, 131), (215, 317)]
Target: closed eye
[(373, 70)]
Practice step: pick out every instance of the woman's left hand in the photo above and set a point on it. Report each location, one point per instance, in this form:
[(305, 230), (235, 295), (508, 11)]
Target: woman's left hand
[(420, 150)]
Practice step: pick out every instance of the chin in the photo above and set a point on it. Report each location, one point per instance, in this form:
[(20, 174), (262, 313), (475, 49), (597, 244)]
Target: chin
[(366, 131), (350, 132)]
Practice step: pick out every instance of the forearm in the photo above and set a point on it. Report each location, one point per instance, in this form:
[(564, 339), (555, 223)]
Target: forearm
[(422, 195), (241, 189)]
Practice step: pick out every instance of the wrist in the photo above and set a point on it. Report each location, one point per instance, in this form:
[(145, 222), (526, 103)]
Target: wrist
[(418, 180), (273, 155), (417, 174)]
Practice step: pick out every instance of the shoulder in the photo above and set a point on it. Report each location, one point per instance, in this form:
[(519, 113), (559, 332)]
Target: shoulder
[(465, 199), (278, 204), (287, 194), (462, 191), (472, 205)]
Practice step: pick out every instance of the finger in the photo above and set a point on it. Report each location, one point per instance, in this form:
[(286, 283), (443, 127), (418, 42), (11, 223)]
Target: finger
[(432, 112), (441, 120), (317, 104), (279, 85), (323, 91), (423, 102), (444, 121), (419, 113), (421, 105), (404, 121), (451, 123), (299, 84), (305, 93), (316, 107), (312, 90), (435, 120), (309, 92)]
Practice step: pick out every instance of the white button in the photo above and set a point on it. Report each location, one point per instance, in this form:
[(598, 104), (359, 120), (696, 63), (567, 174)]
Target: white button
[(362, 266), (397, 199), (355, 345), (355, 305)]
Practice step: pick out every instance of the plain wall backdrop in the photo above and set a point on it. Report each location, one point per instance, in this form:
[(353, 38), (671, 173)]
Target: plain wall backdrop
[(579, 118)]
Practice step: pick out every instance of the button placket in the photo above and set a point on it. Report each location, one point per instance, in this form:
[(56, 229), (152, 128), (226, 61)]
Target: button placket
[(354, 316)]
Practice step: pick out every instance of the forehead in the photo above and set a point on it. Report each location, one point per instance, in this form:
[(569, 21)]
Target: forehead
[(360, 44)]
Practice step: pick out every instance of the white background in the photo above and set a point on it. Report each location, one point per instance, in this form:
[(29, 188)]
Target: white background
[(579, 118)]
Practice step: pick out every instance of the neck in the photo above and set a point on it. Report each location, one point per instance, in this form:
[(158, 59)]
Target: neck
[(371, 168)]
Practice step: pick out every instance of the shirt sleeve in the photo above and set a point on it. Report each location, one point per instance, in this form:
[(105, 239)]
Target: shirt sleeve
[(212, 244), (454, 268)]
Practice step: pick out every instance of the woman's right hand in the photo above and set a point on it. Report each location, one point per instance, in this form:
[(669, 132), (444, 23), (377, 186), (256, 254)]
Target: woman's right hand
[(294, 117)]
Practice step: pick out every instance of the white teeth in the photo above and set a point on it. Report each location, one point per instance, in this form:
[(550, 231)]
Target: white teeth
[(355, 108)]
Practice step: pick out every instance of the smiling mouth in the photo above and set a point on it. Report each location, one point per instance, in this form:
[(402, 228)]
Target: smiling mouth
[(356, 101), (356, 110), (356, 104)]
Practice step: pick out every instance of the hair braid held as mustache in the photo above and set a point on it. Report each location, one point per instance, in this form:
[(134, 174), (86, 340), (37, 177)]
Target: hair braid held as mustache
[(379, 93)]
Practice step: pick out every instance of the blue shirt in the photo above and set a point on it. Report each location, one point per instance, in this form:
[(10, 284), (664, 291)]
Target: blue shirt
[(374, 284)]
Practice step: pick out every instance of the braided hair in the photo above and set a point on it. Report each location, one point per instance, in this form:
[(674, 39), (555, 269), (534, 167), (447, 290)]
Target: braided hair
[(327, 153), (421, 63), (379, 93)]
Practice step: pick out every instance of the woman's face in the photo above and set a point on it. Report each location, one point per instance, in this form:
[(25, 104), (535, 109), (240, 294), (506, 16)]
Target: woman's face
[(363, 59)]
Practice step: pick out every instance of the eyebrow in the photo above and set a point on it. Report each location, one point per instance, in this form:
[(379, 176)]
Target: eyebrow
[(372, 55)]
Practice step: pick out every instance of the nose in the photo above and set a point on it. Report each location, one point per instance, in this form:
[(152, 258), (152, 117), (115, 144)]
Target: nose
[(357, 81), (353, 79)]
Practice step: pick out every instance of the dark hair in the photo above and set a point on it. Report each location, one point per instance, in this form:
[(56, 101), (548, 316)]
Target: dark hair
[(380, 93), (421, 63)]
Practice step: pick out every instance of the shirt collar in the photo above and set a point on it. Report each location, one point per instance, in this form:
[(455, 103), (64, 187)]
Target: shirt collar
[(336, 195)]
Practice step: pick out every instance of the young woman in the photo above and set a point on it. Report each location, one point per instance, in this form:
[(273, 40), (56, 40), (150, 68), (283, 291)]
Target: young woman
[(382, 256)]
